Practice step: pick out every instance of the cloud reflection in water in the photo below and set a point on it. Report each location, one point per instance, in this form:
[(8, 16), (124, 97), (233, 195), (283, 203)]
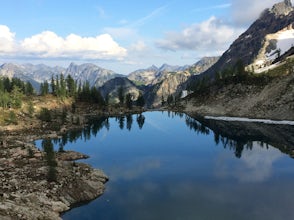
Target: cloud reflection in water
[(256, 164)]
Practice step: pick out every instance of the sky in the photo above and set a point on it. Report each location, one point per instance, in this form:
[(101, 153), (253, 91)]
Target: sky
[(122, 35)]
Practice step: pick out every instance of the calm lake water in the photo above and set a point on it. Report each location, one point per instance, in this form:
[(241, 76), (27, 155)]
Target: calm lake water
[(168, 166)]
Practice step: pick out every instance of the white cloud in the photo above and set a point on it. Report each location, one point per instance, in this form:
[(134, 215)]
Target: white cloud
[(245, 12), (139, 46), (210, 35), (6, 39), (49, 45)]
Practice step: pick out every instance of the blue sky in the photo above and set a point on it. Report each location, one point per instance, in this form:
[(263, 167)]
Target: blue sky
[(121, 35)]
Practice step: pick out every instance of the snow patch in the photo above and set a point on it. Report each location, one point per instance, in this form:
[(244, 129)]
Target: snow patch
[(275, 45), (285, 40), (265, 121)]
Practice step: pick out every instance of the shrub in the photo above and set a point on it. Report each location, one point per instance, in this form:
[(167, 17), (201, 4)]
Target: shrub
[(45, 115)]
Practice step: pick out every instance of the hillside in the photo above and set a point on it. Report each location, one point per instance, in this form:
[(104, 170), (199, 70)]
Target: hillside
[(110, 89), (267, 95)]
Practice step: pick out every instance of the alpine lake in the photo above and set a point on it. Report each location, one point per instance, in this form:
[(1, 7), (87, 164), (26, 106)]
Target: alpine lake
[(164, 165)]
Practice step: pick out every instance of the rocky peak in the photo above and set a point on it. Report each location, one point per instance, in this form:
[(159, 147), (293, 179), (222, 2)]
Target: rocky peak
[(152, 68), (282, 8)]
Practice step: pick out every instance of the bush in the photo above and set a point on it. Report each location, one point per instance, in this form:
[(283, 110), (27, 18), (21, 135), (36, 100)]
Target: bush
[(12, 118), (45, 115)]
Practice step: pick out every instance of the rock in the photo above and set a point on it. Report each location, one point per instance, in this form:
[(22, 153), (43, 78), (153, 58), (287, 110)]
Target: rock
[(59, 207), (70, 156)]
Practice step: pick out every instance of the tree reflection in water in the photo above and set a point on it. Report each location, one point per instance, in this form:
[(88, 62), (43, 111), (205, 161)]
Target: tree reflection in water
[(95, 125), (240, 136), (236, 136)]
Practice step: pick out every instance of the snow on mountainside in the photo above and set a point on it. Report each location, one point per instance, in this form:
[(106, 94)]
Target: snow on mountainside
[(275, 45)]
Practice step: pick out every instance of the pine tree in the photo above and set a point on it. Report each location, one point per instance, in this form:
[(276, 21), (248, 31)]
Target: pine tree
[(62, 86), (129, 101), (29, 90), (16, 97), (71, 86), (121, 95), (140, 101), (53, 86)]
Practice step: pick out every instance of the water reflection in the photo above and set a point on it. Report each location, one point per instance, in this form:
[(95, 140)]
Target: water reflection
[(172, 166), (240, 136), (256, 165), (97, 124), (236, 136), (130, 172)]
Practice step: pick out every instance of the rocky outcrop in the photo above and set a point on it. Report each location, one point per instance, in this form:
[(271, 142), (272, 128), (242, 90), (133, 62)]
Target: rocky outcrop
[(282, 8), (26, 193)]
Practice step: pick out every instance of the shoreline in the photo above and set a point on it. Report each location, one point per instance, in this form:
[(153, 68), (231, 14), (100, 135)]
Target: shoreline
[(25, 192), (250, 120)]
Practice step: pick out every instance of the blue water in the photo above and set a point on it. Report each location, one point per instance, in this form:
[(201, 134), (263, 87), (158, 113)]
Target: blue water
[(163, 169)]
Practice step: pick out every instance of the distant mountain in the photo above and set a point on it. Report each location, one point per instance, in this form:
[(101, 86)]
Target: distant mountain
[(250, 44), (202, 65), (37, 74), (95, 75), (143, 76), (153, 74), (170, 79), (28, 72)]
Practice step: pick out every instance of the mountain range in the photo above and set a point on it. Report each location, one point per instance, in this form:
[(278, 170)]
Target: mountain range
[(270, 37), (107, 80)]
